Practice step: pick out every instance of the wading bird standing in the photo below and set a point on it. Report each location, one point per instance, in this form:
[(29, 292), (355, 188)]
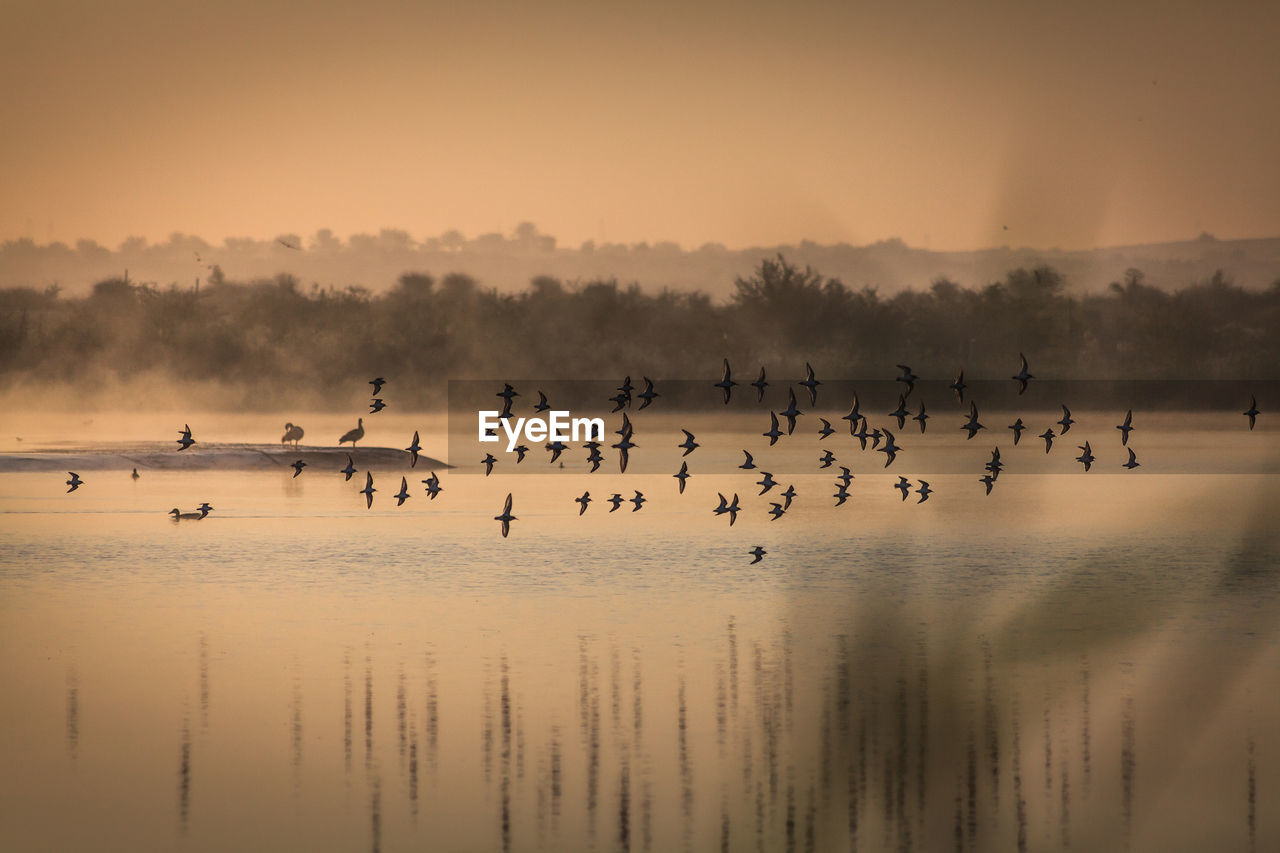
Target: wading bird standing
[(353, 435), (292, 432)]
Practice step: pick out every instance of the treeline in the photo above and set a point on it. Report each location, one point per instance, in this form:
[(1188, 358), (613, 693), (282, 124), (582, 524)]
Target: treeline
[(277, 343)]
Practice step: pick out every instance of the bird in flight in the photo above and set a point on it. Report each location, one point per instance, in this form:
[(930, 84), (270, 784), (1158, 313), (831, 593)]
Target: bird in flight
[(854, 416), (826, 429), (75, 482), (958, 386), (749, 464), (689, 444), (1047, 435), (726, 383), (776, 511), (901, 412), (842, 494), (682, 475), (907, 377), (760, 384), (542, 405), (890, 450), (789, 495), (616, 500), (924, 491), (377, 382), (1085, 458), (520, 451), (297, 467), (583, 501), (766, 483), (1126, 427), (368, 489), (988, 481), (433, 485), (811, 384), (376, 406), (413, 449), (972, 424), (623, 447), (648, 394), (791, 412), (1253, 412), (186, 440), (1066, 421), (846, 476), (903, 485), (758, 553), (774, 433), (487, 462), (921, 417), (403, 494), (638, 500), (1022, 375), (506, 518), (827, 458), (1017, 427), (1133, 461)]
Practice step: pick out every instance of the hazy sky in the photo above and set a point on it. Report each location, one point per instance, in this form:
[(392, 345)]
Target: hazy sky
[(1074, 124)]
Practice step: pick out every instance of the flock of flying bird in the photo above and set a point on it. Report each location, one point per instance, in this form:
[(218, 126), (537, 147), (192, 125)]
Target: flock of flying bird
[(882, 440)]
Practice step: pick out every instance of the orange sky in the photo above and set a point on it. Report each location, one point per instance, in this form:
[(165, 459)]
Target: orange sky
[(1074, 124)]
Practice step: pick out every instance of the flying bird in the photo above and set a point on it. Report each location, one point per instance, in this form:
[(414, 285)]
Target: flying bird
[(507, 394), (556, 448), (433, 485), (1022, 375), (760, 384), (353, 435), (749, 464), (758, 553), (958, 386), (1047, 435), (638, 500), (774, 433), (890, 449), (297, 467), (972, 424), (901, 412), (766, 483), (186, 440), (376, 406), (1253, 412), (1017, 427), (205, 509), (648, 394), (726, 384), (377, 382), (584, 500), (349, 470), (623, 447), (924, 491), (689, 444), (368, 489), (811, 384), (908, 377), (791, 412), (520, 450), (1085, 458), (776, 511), (487, 462), (413, 449), (403, 494), (842, 494), (827, 458), (846, 476), (862, 435), (854, 415), (75, 482), (789, 495), (682, 475), (542, 405), (1133, 461), (826, 428), (988, 481), (1126, 427), (616, 500), (1066, 421), (921, 417), (732, 509), (293, 433), (594, 456), (283, 242), (903, 485), (506, 518)]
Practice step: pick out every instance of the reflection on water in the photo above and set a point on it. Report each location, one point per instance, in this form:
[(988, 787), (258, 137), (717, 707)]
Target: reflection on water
[(988, 679)]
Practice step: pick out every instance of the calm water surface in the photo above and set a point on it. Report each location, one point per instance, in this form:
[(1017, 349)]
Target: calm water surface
[(1075, 662)]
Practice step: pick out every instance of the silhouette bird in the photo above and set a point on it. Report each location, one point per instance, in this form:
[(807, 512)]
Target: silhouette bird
[(890, 450), (1085, 458), (972, 424), (826, 428), (811, 384), (283, 242), (774, 433), (507, 394), (620, 401), (135, 475), (924, 491), (368, 489), (875, 437), (1066, 421), (626, 429), (682, 475), (1253, 412), (353, 435), (1126, 427), (846, 476), (776, 511), (1022, 375), (766, 483), (648, 394), (732, 509), (487, 462), (75, 482), (758, 553), (1133, 461), (749, 464), (520, 451), (922, 417), (842, 494), (293, 433), (594, 456), (689, 444), (556, 448), (186, 440), (349, 470), (901, 412), (760, 384), (903, 485), (1017, 427), (189, 516), (638, 500), (1047, 435), (854, 416), (506, 518), (827, 458), (297, 467), (542, 405), (433, 485), (403, 494), (583, 501), (726, 383), (791, 412), (377, 382), (988, 481), (616, 500), (413, 449), (205, 508), (625, 389), (958, 386), (862, 435), (995, 466), (789, 495), (908, 377), (623, 447), (376, 406)]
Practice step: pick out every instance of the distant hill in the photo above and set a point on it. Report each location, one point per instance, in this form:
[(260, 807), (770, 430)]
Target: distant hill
[(510, 263)]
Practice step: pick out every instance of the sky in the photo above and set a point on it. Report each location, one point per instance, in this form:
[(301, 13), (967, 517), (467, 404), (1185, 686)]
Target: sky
[(950, 126)]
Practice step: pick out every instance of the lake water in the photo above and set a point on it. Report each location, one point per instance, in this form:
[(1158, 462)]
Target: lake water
[(1077, 661)]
